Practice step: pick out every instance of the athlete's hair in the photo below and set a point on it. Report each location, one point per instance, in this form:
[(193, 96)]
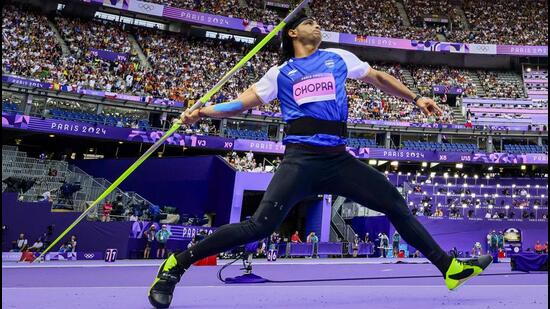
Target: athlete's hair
[(287, 48)]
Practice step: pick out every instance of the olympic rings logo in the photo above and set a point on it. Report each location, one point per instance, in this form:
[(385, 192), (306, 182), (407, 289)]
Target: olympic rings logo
[(89, 256), (481, 48), (146, 6)]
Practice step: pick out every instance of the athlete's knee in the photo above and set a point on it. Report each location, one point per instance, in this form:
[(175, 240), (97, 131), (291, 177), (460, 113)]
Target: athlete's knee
[(264, 222), (261, 227)]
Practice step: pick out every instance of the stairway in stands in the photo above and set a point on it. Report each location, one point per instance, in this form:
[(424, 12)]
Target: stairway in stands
[(17, 164), (458, 115), (409, 80)]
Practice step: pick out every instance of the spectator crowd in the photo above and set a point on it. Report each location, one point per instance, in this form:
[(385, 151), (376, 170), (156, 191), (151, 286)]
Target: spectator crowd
[(470, 21), (247, 163), (183, 68)]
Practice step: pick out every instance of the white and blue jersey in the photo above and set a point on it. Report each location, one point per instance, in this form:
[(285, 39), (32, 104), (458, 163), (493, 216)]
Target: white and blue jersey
[(315, 87)]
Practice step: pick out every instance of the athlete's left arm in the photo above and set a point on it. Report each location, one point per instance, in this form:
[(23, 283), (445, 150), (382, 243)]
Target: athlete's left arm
[(393, 86)]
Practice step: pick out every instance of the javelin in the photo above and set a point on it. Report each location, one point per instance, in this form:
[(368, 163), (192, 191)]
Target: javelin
[(177, 124)]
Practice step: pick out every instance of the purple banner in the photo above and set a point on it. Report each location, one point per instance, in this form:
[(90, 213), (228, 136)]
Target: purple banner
[(145, 8), (56, 126), (125, 97), (506, 128), (443, 47), (110, 95), (435, 156), (26, 82), (440, 89), (469, 101), (522, 50), (262, 113), (433, 46), (90, 255), (15, 121), (258, 146), (436, 126), (96, 93), (58, 256), (166, 102), (352, 39), (344, 38), (216, 20), (179, 232), (109, 55), (508, 111), (535, 81), (209, 142), (119, 4), (389, 154)]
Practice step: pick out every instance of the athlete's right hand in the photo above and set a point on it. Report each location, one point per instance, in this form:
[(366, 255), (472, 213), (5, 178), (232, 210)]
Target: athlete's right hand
[(190, 118), (429, 107)]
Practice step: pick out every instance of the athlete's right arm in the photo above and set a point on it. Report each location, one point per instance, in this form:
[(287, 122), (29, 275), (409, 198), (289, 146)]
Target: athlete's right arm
[(260, 93), (247, 100)]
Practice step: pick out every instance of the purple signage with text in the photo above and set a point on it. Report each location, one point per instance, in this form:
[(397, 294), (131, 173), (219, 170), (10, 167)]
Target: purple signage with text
[(109, 55), (26, 82), (179, 232), (519, 50), (443, 47), (468, 101), (344, 38), (352, 39), (435, 156), (216, 20), (110, 95), (439, 89), (56, 126), (258, 146), (166, 102)]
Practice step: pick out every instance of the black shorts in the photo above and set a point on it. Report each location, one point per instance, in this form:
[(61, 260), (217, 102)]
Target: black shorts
[(148, 245), (161, 245)]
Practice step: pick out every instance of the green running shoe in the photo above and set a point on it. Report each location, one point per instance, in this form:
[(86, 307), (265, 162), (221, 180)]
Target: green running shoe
[(461, 271), (162, 289)]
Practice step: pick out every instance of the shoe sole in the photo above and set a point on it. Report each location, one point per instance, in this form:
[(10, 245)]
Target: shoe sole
[(461, 282)]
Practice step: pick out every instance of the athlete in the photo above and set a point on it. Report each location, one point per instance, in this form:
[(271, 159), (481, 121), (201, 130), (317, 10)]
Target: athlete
[(310, 85)]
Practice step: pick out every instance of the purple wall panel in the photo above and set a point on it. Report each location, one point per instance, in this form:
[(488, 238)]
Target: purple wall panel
[(318, 220), (194, 185), (463, 233), (371, 225), (33, 219)]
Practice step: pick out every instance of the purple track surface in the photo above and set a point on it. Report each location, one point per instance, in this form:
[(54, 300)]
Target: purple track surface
[(124, 284)]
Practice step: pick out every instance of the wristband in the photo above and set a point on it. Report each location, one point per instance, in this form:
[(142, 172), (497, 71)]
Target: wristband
[(418, 97)]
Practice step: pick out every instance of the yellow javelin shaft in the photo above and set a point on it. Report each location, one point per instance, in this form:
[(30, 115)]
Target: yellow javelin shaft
[(177, 125)]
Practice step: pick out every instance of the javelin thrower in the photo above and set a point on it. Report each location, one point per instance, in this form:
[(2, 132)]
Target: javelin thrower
[(310, 84)]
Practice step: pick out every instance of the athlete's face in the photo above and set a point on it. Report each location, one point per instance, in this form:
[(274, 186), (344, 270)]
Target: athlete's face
[(308, 32)]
